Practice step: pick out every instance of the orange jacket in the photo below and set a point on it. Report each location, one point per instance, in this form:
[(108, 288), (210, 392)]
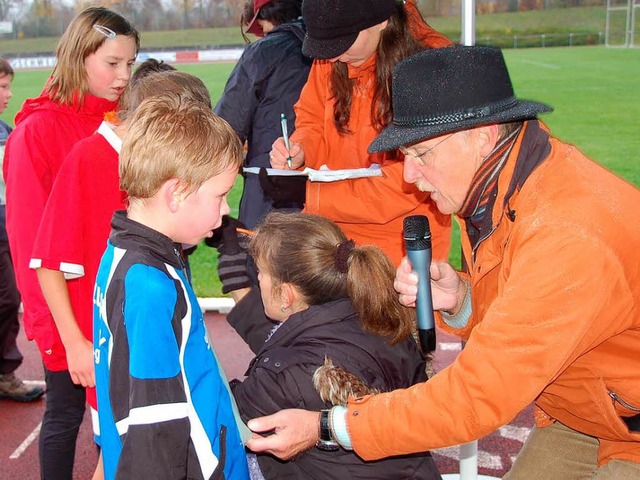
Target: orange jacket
[(370, 211), (556, 320)]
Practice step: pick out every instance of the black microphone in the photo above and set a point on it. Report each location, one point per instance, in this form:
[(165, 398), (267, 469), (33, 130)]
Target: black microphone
[(417, 240)]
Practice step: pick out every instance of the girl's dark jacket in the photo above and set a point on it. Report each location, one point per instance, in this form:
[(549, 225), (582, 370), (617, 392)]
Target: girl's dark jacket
[(280, 376)]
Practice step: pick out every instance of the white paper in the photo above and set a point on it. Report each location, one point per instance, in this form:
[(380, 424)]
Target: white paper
[(323, 174), (275, 172)]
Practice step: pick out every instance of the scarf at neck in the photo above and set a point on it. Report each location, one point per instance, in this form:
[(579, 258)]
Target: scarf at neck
[(483, 189), (479, 203)]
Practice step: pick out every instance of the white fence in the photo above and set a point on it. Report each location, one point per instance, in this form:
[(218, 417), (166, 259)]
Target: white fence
[(231, 54), (180, 56), (543, 40)]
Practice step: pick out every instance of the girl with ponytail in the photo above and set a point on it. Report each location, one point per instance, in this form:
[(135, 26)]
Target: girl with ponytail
[(337, 330)]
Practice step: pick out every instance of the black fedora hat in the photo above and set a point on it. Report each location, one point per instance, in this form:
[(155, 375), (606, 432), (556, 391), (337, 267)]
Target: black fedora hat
[(333, 25), (448, 89)]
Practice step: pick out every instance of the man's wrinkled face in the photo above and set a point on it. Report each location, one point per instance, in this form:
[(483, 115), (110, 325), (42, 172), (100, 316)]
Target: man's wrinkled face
[(443, 166)]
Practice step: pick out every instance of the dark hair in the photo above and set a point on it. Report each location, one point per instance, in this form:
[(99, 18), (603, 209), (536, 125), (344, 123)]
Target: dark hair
[(5, 67), (149, 66), (300, 249), (396, 44), (166, 80), (276, 12), (146, 68), (245, 17), (281, 11)]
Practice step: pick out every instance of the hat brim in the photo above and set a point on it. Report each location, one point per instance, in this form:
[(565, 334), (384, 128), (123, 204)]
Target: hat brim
[(254, 27), (395, 136), (327, 48)]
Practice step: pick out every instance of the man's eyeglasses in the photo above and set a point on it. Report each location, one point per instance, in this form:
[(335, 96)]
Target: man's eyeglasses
[(419, 158)]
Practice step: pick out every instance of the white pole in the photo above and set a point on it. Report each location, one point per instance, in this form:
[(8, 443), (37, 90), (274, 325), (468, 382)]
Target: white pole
[(469, 461), (469, 451), (468, 22)]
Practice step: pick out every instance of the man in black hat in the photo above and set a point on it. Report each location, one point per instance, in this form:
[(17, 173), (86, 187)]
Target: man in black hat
[(550, 306)]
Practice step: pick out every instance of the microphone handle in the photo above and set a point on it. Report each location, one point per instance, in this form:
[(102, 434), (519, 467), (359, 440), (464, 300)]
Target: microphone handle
[(420, 262), (427, 340)]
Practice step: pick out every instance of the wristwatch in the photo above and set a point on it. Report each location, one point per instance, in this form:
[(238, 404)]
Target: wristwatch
[(326, 443)]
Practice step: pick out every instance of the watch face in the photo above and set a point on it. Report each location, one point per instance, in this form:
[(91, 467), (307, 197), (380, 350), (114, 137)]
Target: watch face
[(327, 446)]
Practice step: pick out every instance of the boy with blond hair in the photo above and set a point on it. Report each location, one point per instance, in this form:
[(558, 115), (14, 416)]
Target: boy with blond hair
[(164, 407)]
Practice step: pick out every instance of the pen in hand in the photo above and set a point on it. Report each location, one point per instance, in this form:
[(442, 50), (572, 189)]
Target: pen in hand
[(285, 136)]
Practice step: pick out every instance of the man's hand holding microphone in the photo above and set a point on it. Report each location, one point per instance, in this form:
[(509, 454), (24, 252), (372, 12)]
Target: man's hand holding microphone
[(425, 284)]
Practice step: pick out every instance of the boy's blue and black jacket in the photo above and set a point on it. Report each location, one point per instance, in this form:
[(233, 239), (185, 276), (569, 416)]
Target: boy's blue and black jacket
[(164, 406)]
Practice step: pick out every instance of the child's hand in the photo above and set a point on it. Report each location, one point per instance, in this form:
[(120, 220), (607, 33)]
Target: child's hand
[(80, 361), (232, 248)]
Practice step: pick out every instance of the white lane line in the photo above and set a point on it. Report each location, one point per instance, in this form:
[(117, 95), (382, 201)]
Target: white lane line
[(449, 346), (27, 441), (38, 383), (515, 433), (541, 64), (485, 459)]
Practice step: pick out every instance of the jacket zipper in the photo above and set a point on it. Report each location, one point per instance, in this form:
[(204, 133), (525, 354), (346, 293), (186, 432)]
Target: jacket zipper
[(183, 267), (616, 398), (480, 240)]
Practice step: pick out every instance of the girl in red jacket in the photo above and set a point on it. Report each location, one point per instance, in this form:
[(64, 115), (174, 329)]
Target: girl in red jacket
[(94, 60)]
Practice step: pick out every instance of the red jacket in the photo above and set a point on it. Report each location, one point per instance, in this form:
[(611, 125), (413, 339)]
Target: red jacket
[(555, 293), (44, 134), (369, 210)]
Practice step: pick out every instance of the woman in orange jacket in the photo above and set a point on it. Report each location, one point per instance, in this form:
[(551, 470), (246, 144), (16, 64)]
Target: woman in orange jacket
[(344, 105)]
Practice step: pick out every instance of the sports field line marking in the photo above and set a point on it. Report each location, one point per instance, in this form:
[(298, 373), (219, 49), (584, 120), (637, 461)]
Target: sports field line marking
[(27, 441), (511, 432), (39, 383), (485, 459), (542, 64)]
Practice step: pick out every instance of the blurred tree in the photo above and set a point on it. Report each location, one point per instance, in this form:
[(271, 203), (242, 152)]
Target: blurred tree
[(9, 6)]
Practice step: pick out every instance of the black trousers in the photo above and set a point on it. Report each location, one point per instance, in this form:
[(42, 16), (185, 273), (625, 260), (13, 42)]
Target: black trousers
[(10, 356), (63, 415)]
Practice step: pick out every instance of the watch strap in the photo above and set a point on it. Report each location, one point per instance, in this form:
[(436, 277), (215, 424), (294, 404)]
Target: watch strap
[(325, 440)]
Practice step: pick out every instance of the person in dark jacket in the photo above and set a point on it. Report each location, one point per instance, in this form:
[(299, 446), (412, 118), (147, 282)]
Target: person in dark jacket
[(337, 330), (265, 83)]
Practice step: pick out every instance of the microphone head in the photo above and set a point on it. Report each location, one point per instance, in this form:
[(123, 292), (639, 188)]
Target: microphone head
[(416, 231)]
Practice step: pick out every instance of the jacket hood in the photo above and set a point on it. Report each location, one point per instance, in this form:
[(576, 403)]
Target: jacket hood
[(296, 27), (90, 106)]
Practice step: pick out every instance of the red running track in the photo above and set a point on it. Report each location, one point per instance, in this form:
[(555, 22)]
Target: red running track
[(19, 423)]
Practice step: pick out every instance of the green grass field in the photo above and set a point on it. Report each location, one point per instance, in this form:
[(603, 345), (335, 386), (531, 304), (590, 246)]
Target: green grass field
[(594, 91)]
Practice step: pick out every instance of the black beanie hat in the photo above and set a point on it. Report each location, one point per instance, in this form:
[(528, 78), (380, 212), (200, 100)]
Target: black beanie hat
[(333, 25)]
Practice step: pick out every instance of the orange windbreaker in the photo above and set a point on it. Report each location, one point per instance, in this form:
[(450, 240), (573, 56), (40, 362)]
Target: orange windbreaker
[(556, 320), (371, 210)]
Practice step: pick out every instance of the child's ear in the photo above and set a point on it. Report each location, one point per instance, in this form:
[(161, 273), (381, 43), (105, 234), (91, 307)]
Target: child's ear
[(173, 194), (288, 294)]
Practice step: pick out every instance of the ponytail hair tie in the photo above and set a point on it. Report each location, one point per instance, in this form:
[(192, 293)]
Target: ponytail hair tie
[(341, 255)]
